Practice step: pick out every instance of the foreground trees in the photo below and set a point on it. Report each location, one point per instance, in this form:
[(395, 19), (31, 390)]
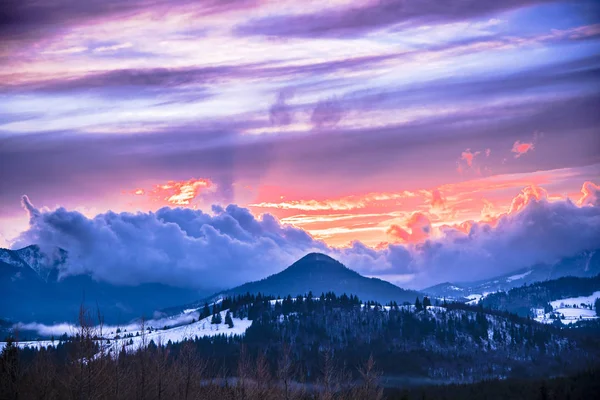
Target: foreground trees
[(171, 372)]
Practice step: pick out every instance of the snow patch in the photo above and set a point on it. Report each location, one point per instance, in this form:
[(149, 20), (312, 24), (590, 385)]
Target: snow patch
[(518, 276), (576, 301)]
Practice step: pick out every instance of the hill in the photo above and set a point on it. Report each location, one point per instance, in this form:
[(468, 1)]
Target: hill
[(319, 273), (546, 295)]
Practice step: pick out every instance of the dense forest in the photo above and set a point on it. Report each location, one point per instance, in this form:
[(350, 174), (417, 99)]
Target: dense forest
[(520, 300), (304, 347)]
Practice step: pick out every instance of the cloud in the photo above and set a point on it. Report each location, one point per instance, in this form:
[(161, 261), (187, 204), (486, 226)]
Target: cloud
[(527, 195), (189, 248), (175, 246), (520, 148), (24, 21), (589, 192), (280, 113), (177, 193), (355, 20), (466, 161), (326, 114), (340, 204), (418, 228), (437, 200)]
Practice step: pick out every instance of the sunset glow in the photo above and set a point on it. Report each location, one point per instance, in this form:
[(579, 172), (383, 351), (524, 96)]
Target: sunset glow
[(356, 127)]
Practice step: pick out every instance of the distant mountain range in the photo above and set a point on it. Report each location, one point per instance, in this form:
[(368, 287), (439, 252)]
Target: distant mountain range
[(32, 291), (586, 264), (319, 273)]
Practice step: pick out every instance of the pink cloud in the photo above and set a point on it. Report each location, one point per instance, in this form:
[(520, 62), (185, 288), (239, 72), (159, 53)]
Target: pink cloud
[(468, 156), (437, 200), (520, 148), (418, 228)]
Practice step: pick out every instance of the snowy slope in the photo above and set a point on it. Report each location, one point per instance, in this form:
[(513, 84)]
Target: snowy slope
[(577, 301), (185, 329), (570, 310)]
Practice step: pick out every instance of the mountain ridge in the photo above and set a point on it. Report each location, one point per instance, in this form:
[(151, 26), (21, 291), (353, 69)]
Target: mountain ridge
[(319, 273), (33, 291), (585, 264)]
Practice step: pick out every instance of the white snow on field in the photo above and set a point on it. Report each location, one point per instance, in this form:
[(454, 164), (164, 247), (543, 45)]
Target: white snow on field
[(474, 299), (571, 316), (570, 310), (33, 344), (577, 301), (571, 313), (178, 333), (518, 276)]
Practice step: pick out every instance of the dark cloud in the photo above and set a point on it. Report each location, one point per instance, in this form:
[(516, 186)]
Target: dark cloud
[(280, 114), (326, 114), (189, 248), (23, 21), (356, 20), (179, 247)]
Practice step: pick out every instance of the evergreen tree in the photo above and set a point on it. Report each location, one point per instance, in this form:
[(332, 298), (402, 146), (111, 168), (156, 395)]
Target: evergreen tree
[(228, 319), (205, 311), (426, 302), (418, 305), (216, 319)]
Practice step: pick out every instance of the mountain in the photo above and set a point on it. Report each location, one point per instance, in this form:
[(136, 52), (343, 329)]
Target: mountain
[(586, 264), (319, 273), (548, 295), (33, 291)]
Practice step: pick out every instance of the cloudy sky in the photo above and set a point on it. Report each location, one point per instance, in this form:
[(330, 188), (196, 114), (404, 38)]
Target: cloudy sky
[(418, 141)]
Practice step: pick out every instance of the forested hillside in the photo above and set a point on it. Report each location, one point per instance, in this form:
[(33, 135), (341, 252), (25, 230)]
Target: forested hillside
[(310, 345), (539, 295)]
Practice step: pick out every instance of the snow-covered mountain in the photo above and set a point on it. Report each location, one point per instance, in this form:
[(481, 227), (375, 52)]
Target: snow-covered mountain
[(586, 264), (33, 290)]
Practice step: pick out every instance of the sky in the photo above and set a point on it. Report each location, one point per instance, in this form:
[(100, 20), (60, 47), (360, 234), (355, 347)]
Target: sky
[(416, 141)]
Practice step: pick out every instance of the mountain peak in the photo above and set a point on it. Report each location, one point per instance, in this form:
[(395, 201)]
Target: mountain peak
[(317, 257), (319, 273)]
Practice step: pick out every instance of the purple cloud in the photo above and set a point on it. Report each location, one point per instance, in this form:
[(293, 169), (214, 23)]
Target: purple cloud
[(356, 20), (189, 248)]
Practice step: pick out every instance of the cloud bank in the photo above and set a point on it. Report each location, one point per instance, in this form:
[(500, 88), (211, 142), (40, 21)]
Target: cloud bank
[(190, 248)]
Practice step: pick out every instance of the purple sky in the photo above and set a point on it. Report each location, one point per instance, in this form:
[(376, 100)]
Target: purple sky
[(380, 131)]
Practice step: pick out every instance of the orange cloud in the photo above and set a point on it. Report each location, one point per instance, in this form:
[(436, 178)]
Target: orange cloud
[(589, 194), (527, 195), (418, 228), (178, 193), (437, 200), (520, 148), (341, 204)]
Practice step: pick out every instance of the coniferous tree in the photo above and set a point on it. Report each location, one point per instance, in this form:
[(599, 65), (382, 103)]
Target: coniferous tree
[(228, 319), (426, 302), (418, 305), (205, 311)]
